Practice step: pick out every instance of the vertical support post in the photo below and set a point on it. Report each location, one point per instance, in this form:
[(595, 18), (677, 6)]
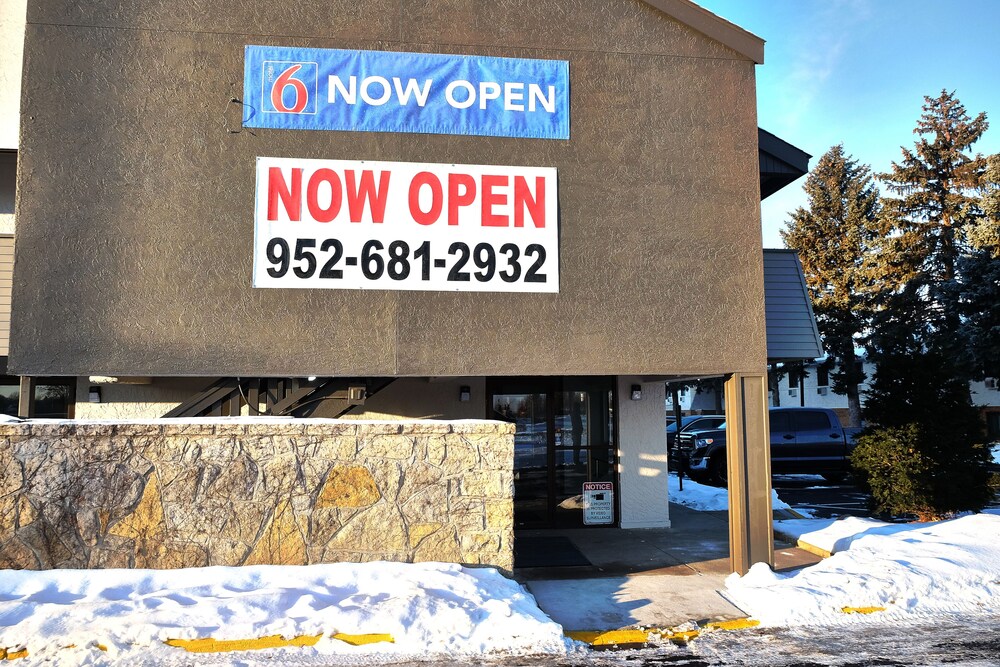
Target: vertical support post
[(675, 395), (748, 451), (642, 461), (253, 396), (26, 398)]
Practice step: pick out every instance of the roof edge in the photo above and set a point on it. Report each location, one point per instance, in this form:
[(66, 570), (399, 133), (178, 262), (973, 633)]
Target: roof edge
[(781, 149), (742, 41)]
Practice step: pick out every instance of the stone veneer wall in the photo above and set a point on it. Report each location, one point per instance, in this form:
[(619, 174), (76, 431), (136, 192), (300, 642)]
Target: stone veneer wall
[(173, 493)]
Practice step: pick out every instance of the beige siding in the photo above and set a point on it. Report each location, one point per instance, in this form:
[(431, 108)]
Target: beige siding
[(6, 273), (12, 19)]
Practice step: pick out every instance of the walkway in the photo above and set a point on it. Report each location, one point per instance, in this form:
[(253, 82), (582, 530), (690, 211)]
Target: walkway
[(650, 578)]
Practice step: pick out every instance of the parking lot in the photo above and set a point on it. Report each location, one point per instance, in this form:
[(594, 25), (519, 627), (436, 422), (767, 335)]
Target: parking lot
[(823, 499)]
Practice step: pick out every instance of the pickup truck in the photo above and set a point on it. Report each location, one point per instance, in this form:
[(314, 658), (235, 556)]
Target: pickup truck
[(803, 441)]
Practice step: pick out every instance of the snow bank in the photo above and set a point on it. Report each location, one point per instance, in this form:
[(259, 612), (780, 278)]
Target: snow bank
[(835, 535), (428, 608), (913, 570), (707, 498)]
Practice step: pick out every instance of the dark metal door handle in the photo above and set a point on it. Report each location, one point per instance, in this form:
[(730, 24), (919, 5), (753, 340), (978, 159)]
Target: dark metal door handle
[(788, 436)]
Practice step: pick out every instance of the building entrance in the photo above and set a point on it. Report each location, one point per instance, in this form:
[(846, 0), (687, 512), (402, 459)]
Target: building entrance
[(564, 437)]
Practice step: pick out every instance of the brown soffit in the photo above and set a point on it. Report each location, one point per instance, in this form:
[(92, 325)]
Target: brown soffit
[(731, 35)]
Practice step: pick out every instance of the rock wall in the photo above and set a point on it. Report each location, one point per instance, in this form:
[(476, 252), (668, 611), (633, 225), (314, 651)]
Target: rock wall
[(188, 493)]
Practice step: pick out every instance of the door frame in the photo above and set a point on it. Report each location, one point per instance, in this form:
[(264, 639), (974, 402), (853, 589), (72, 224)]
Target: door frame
[(550, 386)]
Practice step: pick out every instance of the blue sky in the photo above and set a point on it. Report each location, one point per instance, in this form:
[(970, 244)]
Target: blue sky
[(856, 72)]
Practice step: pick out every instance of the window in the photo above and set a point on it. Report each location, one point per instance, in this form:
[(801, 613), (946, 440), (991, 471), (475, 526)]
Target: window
[(704, 424), (822, 376), (993, 425), (810, 420), (8, 398), (779, 422), (54, 397)]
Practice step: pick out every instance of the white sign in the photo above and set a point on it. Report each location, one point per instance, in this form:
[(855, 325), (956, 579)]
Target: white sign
[(342, 224), (598, 503)]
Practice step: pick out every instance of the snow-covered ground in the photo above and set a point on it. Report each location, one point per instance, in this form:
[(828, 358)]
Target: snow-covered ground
[(447, 612), (911, 570), (428, 609), (833, 535), (707, 498)]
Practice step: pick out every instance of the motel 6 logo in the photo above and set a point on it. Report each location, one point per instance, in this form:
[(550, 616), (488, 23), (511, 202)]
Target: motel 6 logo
[(289, 87)]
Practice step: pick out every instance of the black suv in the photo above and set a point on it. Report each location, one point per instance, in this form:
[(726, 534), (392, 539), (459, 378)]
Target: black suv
[(803, 441)]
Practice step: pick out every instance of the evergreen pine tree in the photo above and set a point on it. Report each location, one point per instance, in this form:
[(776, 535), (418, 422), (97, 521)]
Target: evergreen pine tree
[(924, 453), (978, 291), (936, 203), (835, 238)]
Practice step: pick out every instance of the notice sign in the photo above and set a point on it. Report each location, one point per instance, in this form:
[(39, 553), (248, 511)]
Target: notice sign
[(374, 91), (344, 224), (598, 503)]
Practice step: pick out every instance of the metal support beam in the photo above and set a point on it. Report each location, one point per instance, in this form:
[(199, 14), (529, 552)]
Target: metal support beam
[(26, 398), (748, 450)]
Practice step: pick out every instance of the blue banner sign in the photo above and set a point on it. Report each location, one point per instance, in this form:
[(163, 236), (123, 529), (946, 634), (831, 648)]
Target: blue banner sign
[(378, 91)]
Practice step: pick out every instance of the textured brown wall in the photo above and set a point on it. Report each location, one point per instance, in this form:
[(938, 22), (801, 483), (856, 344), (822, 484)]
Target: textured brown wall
[(136, 203)]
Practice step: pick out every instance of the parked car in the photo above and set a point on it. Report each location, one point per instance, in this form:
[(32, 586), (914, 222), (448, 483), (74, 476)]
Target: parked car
[(803, 441), (693, 423)]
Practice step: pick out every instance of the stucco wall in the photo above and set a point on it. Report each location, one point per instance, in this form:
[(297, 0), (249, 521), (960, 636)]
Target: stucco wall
[(403, 399), (424, 398), (642, 451), (141, 265), (136, 401), (174, 494)]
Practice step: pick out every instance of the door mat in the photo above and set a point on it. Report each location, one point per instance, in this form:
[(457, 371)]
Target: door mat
[(548, 551)]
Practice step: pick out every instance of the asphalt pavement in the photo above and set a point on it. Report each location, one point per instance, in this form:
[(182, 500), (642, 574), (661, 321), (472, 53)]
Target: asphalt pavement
[(823, 499), (966, 642), (827, 500)]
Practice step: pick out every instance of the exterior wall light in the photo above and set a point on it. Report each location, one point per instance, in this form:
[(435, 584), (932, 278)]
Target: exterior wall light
[(94, 395), (465, 393), (637, 392)]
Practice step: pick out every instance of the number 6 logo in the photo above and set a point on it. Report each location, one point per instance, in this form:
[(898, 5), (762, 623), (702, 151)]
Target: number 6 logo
[(293, 90)]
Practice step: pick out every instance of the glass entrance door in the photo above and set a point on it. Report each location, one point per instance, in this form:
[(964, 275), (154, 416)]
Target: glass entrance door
[(563, 439)]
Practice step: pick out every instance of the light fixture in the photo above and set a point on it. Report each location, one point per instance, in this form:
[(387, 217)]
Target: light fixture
[(94, 394), (465, 393), (637, 392)]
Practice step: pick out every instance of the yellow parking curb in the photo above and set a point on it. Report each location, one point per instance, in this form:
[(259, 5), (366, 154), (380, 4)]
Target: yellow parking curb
[(13, 654), (211, 645), (610, 637), (640, 636), (360, 640), (735, 624), (680, 636), (805, 546), (861, 610)]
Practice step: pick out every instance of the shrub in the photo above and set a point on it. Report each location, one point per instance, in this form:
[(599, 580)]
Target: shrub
[(924, 453), (921, 470)]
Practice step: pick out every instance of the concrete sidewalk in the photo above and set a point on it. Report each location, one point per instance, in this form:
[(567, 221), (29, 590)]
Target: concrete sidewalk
[(651, 578)]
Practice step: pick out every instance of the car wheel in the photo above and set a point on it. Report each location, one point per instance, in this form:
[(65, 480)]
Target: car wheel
[(717, 474)]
